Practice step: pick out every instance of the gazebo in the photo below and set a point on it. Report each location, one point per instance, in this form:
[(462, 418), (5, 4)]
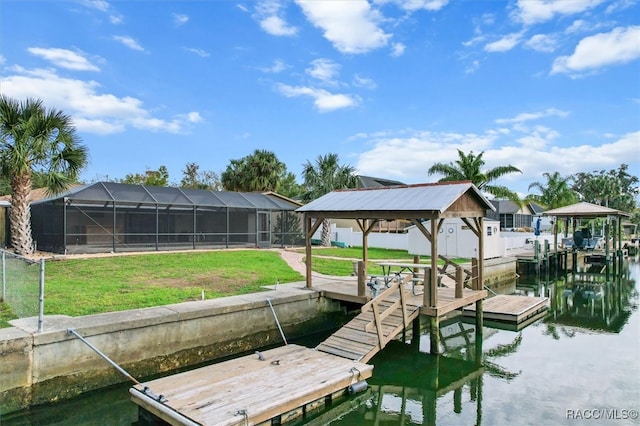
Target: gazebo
[(424, 205), (574, 213)]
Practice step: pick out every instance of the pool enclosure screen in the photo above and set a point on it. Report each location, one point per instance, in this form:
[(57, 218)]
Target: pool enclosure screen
[(115, 217)]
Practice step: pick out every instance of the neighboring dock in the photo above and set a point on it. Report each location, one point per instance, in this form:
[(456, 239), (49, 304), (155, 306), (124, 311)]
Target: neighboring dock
[(288, 382), (510, 308)]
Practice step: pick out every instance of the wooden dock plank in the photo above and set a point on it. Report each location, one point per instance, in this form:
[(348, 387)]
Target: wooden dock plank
[(214, 395), (514, 308)]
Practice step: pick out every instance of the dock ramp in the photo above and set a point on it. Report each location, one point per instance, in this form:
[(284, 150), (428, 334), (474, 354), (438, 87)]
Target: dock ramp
[(379, 321)]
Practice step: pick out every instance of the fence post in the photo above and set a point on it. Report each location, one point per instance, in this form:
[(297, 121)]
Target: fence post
[(4, 278), (41, 298)]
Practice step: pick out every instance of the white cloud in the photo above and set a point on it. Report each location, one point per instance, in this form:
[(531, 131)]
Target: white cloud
[(534, 153), (323, 100), (275, 25), (473, 67), (278, 66), (64, 58), (542, 43), (505, 44), (365, 82), (413, 5), (397, 49), (619, 46), (529, 116), (537, 11), (180, 19), (102, 6), (324, 70), (92, 111), (129, 42), (197, 51), (269, 15), (351, 26)]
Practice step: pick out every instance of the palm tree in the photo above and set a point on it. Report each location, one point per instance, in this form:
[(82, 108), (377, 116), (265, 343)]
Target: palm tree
[(555, 193), (469, 167), (326, 175), (34, 139), (260, 171)]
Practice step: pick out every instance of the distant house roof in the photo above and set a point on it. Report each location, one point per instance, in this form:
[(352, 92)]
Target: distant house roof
[(374, 182), (446, 199), (105, 192), (584, 210), (509, 207)]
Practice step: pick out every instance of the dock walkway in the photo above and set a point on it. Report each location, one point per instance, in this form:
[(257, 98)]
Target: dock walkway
[(380, 321)]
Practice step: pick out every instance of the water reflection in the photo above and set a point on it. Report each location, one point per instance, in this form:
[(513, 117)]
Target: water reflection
[(591, 304), (408, 385), (412, 387)]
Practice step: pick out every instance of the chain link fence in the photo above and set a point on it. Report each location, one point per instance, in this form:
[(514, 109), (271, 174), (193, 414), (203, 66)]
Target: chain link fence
[(23, 286)]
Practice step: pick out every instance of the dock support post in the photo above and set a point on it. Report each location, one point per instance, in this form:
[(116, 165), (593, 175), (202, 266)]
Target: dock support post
[(434, 336), (415, 333), (361, 279), (479, 330), (459, 282)]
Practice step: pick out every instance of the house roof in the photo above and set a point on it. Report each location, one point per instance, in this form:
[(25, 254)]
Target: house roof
[(510, 207), (445, 199), (584, 210), (107, 192), (375, 182)]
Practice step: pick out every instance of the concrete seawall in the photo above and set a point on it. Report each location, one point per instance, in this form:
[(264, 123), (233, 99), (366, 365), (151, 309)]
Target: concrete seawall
[(55, 365)]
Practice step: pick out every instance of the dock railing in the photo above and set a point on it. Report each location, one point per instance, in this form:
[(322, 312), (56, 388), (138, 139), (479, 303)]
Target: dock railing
[(381, 313)]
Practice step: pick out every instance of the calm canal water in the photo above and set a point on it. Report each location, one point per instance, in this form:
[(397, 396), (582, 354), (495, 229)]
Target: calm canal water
[(580, 364)]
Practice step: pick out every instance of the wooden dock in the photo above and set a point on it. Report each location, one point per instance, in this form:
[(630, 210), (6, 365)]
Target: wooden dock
[(290, 381), (510, 308), (379, 322)]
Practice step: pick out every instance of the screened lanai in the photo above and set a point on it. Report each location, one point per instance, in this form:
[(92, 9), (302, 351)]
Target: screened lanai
[(115, 217)]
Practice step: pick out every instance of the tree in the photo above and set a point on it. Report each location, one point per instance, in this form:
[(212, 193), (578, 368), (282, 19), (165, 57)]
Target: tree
[(34, 139), (468, 167), (193, 178), (555, 193), (289, 187), (326, 175), (616, 189), (158, 177), (260, 171)]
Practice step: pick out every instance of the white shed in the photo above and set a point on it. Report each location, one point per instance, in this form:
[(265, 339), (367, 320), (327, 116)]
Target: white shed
[(455, 239)]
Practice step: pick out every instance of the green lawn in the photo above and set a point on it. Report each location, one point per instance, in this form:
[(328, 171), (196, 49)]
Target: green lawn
[(95, 285), (5, 315), (104, 284)]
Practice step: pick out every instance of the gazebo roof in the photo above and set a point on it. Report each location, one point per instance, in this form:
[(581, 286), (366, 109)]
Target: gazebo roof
[(446, 199), (584, 210)]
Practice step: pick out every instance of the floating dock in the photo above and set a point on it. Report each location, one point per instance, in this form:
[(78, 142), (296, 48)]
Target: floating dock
[(510, 308), (277, 386)]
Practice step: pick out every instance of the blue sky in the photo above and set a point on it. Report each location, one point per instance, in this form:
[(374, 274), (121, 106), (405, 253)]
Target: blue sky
[(391, 86)]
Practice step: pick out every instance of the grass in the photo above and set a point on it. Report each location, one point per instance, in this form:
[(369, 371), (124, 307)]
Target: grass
[(95, 285), (5, 315), (328, 260)]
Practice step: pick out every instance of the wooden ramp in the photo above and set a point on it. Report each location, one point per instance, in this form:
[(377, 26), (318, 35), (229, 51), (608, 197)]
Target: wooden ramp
[(380, 320), (510, 308), (248, 391)]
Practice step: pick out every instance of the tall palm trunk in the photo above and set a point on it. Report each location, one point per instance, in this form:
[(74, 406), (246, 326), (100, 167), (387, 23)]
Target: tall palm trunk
[(20, 215), (325, 237)]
